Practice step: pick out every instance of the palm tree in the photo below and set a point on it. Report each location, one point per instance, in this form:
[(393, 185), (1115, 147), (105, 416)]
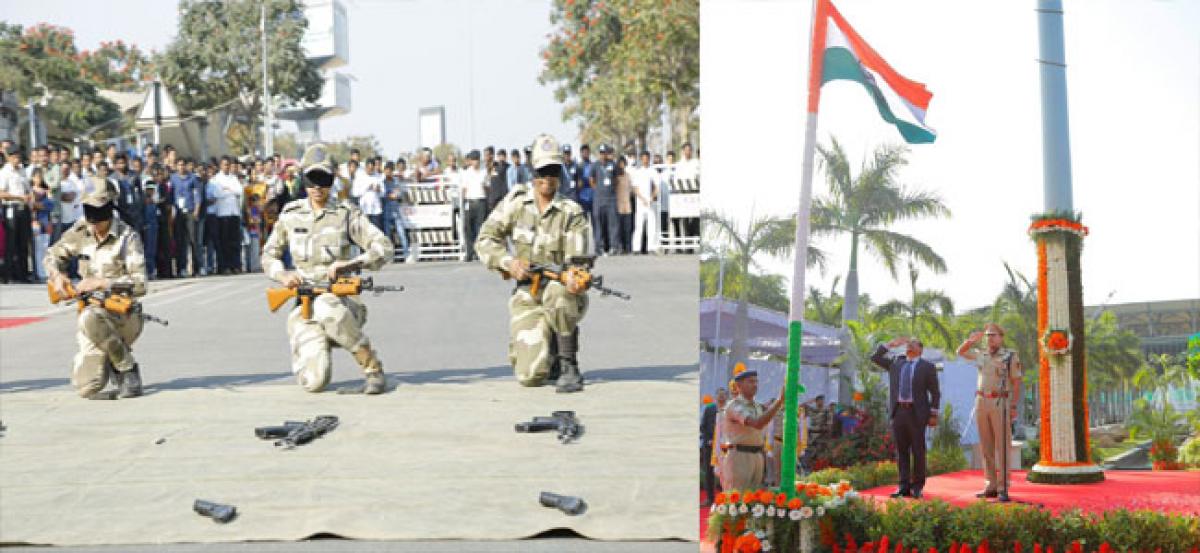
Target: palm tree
[(928, 309), (770, 235), (1114, 358), (822, 308), (865, 206)]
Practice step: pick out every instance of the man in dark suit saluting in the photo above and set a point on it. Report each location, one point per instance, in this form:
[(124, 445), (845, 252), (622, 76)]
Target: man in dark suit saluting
[(913, 397)]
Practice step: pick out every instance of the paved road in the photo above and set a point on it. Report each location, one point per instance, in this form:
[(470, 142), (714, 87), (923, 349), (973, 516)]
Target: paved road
[(450, 325)]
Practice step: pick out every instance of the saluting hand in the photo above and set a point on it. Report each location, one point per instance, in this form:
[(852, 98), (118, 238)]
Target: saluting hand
[(975, 336)]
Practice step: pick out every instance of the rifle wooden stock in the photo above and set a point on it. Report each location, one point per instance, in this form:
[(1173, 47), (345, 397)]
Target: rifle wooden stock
[(71, 293), (305, 293), (276, 297)]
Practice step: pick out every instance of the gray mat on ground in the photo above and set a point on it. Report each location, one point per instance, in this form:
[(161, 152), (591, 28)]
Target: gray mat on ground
[(434, 461)]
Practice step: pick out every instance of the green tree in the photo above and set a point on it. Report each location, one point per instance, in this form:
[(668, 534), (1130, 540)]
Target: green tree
[(117, 65), (927, 313), (865, 206), (764, 290), (42, 64), (216, 58), (1114, 358), (614, 62), (824, 308), (367, 146), (770, 235)]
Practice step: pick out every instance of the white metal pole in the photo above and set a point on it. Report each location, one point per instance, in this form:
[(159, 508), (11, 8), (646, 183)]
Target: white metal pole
[(268, 143)]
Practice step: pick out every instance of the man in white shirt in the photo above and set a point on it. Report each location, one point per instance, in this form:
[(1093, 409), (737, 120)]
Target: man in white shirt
[(688, 168), (474, 197), (226, 189), (645, 193), (15, 197), (367, 187)]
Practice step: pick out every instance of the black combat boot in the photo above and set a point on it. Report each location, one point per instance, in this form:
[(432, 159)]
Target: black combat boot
[(570, 380), (555, 367), (374, 382), (130, 383)]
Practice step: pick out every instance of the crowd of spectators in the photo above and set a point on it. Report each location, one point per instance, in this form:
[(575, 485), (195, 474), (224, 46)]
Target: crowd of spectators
[(210, 217)]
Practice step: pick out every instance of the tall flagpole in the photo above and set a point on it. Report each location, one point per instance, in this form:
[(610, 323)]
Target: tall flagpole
[(792, 386)]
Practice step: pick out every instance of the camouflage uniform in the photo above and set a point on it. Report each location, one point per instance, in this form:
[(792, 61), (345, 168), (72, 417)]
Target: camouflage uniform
[(316, 239), (551, 237), (104, 338)]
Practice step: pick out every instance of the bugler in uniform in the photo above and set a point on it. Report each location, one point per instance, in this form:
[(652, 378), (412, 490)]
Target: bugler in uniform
[(109, 252), (545, 228), (318, 232)]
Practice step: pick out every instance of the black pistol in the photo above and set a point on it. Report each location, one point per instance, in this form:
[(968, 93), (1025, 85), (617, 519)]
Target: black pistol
[(570, 505), (276, 432), (308, 431), (216, 511)]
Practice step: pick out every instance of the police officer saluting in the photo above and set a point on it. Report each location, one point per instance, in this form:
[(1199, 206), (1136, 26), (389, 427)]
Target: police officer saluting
[(319, 232), (110, 255), (999, 378), (545, 228)]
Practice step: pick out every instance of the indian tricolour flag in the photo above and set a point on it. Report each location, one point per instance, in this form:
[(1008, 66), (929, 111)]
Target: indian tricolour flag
[(838, 52)]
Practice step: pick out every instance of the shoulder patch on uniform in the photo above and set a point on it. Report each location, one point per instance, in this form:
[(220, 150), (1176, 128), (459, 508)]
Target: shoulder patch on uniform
[(294, 205), (570, 206)]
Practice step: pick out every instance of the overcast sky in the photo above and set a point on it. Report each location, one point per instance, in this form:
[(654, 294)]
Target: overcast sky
[(1133, 80), (404, 55)]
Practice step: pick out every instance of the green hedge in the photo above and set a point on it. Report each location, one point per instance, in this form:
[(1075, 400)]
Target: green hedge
[(870, 475), (937, 524)]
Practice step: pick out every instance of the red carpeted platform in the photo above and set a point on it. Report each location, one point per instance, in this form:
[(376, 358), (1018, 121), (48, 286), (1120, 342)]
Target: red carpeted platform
[(10, 322), (1165, 491)]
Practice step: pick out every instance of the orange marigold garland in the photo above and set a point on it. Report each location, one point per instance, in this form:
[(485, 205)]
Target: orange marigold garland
[(1044, 363)]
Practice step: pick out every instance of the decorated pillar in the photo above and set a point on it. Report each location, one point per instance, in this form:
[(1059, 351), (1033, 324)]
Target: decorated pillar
[(1058, 233), (1062, 374)]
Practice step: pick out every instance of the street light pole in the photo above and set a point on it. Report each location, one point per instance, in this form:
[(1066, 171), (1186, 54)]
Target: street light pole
[(32, 126), (268, 142), (720, 308)]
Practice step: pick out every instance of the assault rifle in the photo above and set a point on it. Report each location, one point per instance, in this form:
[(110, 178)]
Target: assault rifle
[(117, 299), (343, 286), (579, 267), (564, 422)]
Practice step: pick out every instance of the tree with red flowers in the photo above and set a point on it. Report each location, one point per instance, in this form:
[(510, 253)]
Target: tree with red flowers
[(614, 61), (41, 64)]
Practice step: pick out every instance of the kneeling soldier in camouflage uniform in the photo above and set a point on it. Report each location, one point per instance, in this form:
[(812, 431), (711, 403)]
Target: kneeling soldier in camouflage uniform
[(545, 228), (319, 232), (109, 253)]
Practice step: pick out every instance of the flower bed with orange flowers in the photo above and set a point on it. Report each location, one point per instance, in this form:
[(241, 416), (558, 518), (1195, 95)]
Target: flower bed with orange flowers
[(751, 521)]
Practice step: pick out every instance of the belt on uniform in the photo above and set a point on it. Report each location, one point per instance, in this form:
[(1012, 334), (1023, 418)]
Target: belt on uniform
[(991, 394), (904, 404), (747, 448)]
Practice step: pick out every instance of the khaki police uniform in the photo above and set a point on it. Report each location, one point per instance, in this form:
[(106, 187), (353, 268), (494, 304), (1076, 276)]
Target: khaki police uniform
[(105, 339), (552, 236), (316, 238), (990, 409), (742, 467)]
